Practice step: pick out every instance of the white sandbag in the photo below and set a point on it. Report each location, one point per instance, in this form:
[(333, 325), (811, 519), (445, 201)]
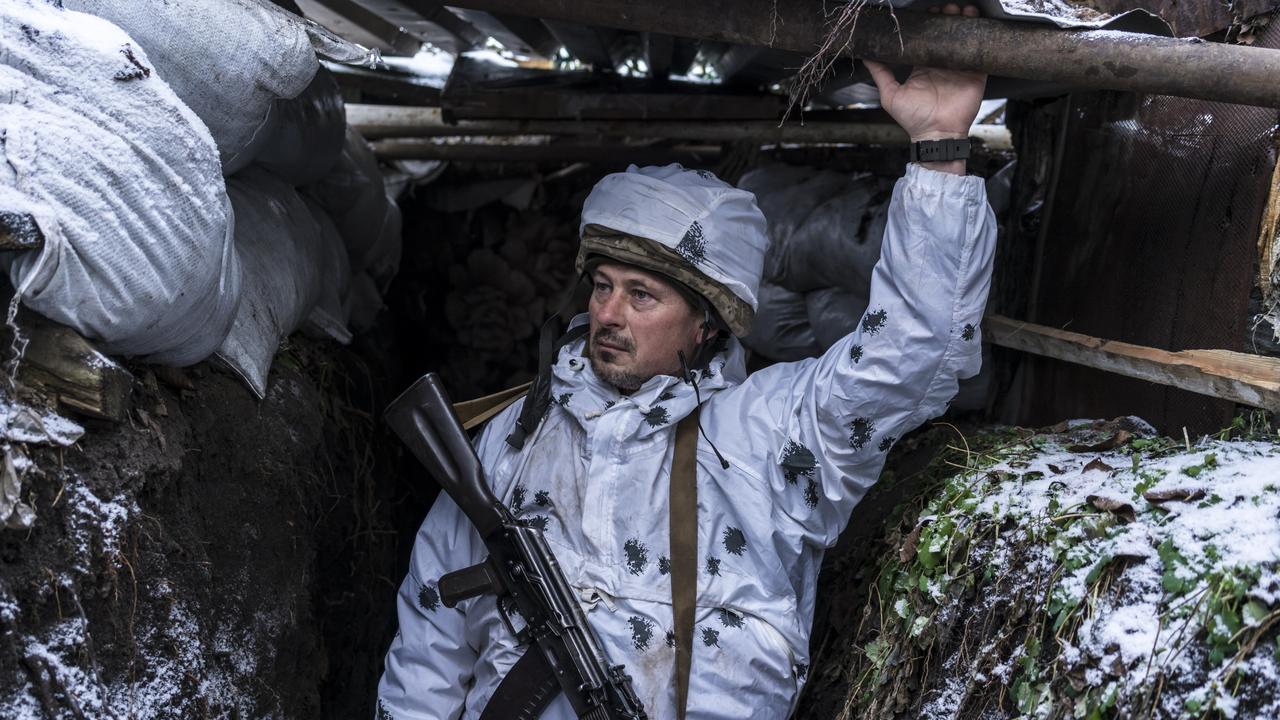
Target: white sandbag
[(329, 316), (282, 261), (834, 313), (123, 182), (307, 133), (227, 59), (838, 243), (781, 329)]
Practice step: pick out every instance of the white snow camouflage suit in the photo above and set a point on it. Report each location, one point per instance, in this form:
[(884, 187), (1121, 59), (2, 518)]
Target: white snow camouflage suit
[(804, 440)]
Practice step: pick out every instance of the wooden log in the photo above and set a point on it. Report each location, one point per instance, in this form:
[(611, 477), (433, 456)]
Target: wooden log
[(385, 121), (613, 154), (18, 231), (63, 365), (385, 86), (1239, 377), (1097, 59)]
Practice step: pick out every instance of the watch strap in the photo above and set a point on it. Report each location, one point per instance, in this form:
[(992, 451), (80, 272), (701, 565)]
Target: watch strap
[(940, 150)]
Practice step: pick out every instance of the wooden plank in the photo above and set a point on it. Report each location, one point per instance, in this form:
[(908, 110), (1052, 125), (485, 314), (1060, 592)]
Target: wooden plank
[(383, 121), (610, 154), (532, 32), (1110, 60), (59, 363), (1239, 377), (467, 35)]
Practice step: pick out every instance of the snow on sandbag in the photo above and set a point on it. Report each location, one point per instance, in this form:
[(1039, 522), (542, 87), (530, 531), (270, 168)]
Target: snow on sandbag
[(307, 132), (781, 329), (229, 60), (282, 258), (354, 195), (839, 242), (124, 183), (834, 313), (329, 317)]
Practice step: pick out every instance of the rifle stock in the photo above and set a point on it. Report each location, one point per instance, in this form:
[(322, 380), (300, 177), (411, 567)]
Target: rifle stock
[(424, 420)]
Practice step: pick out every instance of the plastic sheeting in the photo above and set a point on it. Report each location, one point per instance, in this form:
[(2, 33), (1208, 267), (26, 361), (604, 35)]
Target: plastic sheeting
[(124, 184), (228, 60)]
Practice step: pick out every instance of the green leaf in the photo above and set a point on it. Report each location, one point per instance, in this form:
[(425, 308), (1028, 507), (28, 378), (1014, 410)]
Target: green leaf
[(1171, 583)]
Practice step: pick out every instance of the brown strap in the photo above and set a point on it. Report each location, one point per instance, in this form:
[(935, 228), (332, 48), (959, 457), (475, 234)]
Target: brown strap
[(683, 509), (473, 413)]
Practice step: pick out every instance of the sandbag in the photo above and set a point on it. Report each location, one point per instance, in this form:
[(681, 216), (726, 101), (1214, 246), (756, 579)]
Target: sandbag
[(229, 60), (329, 317), (781, 329), (838, 244), (124, 184), (834, 313), (789, 206), (363, 303), (282, 260), (307, 132), (354, 195)]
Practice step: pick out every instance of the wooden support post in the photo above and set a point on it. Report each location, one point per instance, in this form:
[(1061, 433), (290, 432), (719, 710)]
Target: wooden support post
[(659, 51), (18, 231), (1098, 59), (1269, 241), (387, 121), (1251, 380), (62, 365)]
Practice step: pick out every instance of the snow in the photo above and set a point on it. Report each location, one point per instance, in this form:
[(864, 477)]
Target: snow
[(1228, 528)]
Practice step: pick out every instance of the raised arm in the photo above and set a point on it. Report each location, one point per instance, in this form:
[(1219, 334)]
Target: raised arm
[(842, 412)]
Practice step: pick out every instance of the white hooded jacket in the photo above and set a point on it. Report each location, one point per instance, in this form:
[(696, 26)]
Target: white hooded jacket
[(804, 441)]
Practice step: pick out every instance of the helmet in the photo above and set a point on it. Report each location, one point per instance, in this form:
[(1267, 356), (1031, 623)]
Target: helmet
[(687, 225)]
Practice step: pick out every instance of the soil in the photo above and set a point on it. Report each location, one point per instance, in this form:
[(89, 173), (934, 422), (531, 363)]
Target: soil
[(214, 556)]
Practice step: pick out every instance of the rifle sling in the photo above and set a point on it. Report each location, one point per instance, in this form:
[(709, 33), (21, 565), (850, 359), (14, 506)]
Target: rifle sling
[(530, 686), (683, 512)]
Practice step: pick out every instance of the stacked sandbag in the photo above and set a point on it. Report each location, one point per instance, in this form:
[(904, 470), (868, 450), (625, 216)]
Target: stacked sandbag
[(124, 184), (307, 132), (290, 262), (229, 60), (354, 194), (825, 230)]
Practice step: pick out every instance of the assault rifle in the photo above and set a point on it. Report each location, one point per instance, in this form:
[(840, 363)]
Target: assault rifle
[(520, 570)]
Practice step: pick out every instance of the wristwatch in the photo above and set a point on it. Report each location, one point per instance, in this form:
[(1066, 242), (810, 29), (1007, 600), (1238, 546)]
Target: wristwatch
[(939, 150)]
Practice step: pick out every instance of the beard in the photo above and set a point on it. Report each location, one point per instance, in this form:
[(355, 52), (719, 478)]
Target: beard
[(626, 381)]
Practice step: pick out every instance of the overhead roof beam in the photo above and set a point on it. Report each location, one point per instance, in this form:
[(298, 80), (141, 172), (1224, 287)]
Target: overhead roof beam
[(389, 36), (1111, 60), (658, 52), (468, 36), (582, 42)]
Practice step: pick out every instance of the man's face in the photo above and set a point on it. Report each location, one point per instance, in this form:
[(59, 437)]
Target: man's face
[(638, 323)]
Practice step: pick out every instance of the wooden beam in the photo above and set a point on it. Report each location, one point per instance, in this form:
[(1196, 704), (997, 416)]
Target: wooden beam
[(611, 154), (582, 42), (383, 121), (1251, 380), (386, 86), (1099, 59), (532, 32), (735, 60), (61, 364), (390, 36), (658, 52), (18, 231), (466, 33)]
